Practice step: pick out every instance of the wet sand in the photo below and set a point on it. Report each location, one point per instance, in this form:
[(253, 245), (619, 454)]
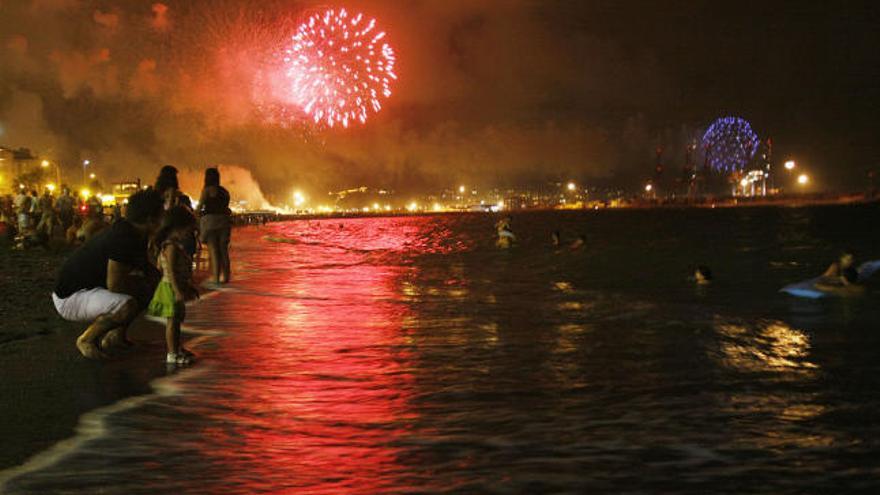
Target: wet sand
[(45, 384)]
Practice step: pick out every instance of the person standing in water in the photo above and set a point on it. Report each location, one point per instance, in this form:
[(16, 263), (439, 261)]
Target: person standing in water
[(506, 237), (216, 224)]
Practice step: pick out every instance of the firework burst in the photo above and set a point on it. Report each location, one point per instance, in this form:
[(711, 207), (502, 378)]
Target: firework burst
[(729, 144), (338, 68)]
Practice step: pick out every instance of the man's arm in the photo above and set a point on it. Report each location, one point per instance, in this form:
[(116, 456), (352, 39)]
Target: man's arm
[(832, 271), (120, 278)]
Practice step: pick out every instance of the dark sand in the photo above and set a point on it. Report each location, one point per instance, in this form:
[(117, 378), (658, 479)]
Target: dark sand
[(26, 282), (45, 384)]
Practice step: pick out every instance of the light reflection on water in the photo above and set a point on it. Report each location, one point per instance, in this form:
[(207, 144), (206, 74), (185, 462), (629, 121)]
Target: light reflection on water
[(408, 355)]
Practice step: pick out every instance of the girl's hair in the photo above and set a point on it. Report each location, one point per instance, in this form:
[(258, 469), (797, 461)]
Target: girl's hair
[(212, 177), (177, 217)]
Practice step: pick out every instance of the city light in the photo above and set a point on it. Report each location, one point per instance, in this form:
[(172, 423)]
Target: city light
[(44, 163), (85, 193), (649, 188), (298, 199), (92, 176), (571, 186), (86, 162), (803, 179), (789, 165), (412, 206), (461, 189), (744, 182), (50, 187)]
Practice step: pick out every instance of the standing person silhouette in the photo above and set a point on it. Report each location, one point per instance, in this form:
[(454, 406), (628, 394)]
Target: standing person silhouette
[(216, 224)]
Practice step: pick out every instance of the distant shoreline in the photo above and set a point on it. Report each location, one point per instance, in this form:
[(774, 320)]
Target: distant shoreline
[(249, 218)]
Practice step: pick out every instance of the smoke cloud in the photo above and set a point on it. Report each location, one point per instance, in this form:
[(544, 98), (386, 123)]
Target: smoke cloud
[(490, 92)]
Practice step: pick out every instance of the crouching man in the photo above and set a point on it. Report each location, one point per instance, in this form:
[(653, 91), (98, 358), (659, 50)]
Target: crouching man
[(109, 280)]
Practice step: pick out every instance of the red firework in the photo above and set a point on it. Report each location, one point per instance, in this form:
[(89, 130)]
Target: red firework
[(338, 68)]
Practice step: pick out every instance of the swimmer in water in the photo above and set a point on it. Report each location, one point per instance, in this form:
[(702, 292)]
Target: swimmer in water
[(555, 238), (703, 275), (841, 273), (578, 243), (503, 224), (506, 236)]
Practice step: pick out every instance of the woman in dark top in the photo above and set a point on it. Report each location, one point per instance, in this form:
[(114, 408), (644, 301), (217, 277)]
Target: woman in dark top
[(168, 186), (216, 224)]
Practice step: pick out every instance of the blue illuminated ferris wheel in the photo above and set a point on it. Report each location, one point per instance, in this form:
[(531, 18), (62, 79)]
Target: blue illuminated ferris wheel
[(729, 145)]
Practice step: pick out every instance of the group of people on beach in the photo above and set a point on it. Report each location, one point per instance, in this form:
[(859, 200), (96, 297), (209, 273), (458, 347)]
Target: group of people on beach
[(143, 261), (30, 219)]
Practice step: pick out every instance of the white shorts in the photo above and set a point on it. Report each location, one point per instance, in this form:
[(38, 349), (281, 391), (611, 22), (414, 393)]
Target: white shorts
[(88, 304)]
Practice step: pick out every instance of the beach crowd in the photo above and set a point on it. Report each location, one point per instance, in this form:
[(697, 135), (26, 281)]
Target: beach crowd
[(134, 257), (31, 219)]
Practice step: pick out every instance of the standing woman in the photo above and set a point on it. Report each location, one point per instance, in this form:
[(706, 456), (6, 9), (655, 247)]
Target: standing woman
[(216, 224), (168, 186)]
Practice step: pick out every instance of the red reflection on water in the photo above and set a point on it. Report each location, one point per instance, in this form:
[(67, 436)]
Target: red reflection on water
[(320, 384)]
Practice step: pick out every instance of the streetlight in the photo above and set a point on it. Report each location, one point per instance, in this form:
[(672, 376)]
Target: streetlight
[(649, 188), (47, 164), (789, 165), (571, 186), (92, 175), (803, 179), (85, 164), (461, 189)]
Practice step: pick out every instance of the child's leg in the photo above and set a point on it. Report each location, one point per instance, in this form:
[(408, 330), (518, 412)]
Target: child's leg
[(172, 334)]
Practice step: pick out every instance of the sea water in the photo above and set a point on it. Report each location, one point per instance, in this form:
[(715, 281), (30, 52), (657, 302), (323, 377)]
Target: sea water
[(410, 354)]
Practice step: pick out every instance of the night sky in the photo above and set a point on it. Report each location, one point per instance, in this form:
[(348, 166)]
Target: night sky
[(490, 92)]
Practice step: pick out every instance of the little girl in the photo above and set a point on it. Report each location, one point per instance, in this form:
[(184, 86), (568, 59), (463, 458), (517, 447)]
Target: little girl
[(176, 286)]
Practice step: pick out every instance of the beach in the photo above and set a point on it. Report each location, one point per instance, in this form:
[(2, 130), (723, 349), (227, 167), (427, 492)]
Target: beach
[(26, 278), (46, 385), (409, 354)]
